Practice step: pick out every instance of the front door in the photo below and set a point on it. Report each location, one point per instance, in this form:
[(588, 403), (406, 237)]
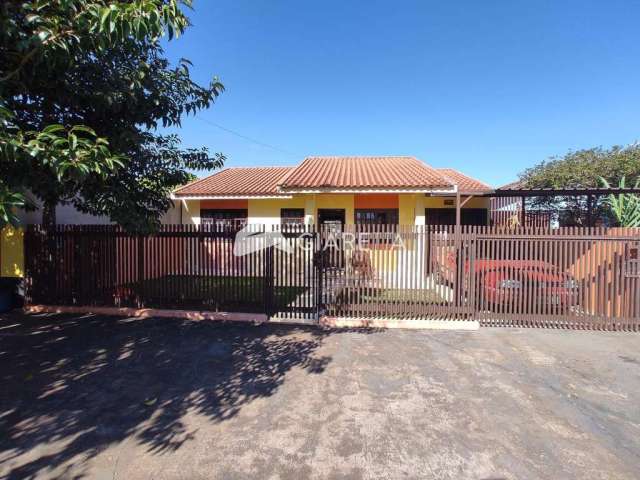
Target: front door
[(331, 222), (331, 216)]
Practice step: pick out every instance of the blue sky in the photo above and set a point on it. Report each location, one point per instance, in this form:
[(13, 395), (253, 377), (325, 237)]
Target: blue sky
[(487, 87)]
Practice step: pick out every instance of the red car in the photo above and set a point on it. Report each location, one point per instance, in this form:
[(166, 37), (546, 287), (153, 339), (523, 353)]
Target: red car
[(521, 286)]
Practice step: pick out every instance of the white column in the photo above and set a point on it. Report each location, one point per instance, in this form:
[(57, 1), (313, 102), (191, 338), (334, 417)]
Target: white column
[(310, 209), (420, 206)]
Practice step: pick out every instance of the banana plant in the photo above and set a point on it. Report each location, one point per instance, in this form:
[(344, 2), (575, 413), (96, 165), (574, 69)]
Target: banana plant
[(624, 206)]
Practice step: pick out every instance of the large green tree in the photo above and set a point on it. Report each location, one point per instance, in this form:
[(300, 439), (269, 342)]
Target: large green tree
[(98, 65), (582, 169)]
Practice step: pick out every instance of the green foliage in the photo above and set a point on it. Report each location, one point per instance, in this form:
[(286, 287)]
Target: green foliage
[(137, 196), (584, 168), (624, 206), (56, 31), (9, 201), (82, 86), (71, 153), (581, 169)]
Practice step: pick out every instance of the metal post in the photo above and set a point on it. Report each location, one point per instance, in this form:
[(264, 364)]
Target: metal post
[(457, 209), (141, 287), (457, 244)]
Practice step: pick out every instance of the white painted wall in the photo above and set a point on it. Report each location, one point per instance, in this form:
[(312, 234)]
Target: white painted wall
[(65, 215), (69, 215)]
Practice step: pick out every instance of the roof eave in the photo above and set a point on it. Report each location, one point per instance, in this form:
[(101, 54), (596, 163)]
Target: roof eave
[(472, 193), (559, 192), (352, 190), (229, 197)]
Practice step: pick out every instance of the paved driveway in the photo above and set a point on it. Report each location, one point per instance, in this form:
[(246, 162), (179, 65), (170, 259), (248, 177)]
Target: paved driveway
[(115, 398)]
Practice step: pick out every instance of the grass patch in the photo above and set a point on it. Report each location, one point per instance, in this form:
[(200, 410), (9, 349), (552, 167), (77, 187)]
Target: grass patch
[(224, 292)]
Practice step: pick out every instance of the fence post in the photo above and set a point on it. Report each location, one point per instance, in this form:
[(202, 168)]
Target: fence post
[(51, 256), (472, 297), (268, 280), (76, 235), (140, 296), (318, 264)]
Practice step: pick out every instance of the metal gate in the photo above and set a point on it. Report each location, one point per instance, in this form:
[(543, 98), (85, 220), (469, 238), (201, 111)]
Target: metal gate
[(569, 278), (405, 272), (590, 280)]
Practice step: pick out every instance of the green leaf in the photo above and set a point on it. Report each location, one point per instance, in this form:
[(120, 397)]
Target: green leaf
[(53, 129), (83, 129)]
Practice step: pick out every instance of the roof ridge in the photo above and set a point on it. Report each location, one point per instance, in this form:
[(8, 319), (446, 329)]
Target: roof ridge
[(363, 171), (361, 156)]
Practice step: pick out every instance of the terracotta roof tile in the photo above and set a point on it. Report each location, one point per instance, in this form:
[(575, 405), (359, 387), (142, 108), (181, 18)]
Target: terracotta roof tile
[(331, 173), (344, 173), (240, 181), (465, 183)]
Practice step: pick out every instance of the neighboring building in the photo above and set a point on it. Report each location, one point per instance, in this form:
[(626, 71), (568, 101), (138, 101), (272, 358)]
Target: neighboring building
[(67, 214), (389, 190)]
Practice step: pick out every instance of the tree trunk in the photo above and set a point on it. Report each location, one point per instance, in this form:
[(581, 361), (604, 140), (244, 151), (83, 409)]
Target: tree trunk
[(49, 214)]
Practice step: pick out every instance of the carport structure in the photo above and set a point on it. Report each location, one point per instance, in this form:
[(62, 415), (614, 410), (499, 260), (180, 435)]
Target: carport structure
[(511, 198)]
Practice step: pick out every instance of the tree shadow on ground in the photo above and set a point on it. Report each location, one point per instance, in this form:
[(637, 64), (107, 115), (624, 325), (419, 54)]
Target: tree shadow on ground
[(92, 381)]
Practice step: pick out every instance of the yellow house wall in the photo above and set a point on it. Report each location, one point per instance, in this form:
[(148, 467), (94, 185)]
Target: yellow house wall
[(11, 252), (190, 212), (336, 201), (406, 209), (411, 207), (267, 211)]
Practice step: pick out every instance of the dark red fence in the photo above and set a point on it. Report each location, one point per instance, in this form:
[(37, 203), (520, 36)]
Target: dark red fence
[(180, 266), (568, 277)]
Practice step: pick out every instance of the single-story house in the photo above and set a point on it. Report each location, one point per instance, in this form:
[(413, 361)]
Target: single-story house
[(327, 189)]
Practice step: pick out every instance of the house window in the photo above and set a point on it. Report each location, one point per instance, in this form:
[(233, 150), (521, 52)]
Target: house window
[(224, 217), (292, 216), (377, 216)]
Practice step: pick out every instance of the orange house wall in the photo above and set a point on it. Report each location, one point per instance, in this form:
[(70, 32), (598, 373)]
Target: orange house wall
[(225, 204), (376, 200)]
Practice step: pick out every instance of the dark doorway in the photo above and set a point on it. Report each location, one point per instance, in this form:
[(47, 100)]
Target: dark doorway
[(331, 216), (447, 216), (331, 222)]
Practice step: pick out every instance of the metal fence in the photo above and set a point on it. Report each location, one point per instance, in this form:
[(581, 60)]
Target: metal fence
[(569, 277), (180, 266)]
